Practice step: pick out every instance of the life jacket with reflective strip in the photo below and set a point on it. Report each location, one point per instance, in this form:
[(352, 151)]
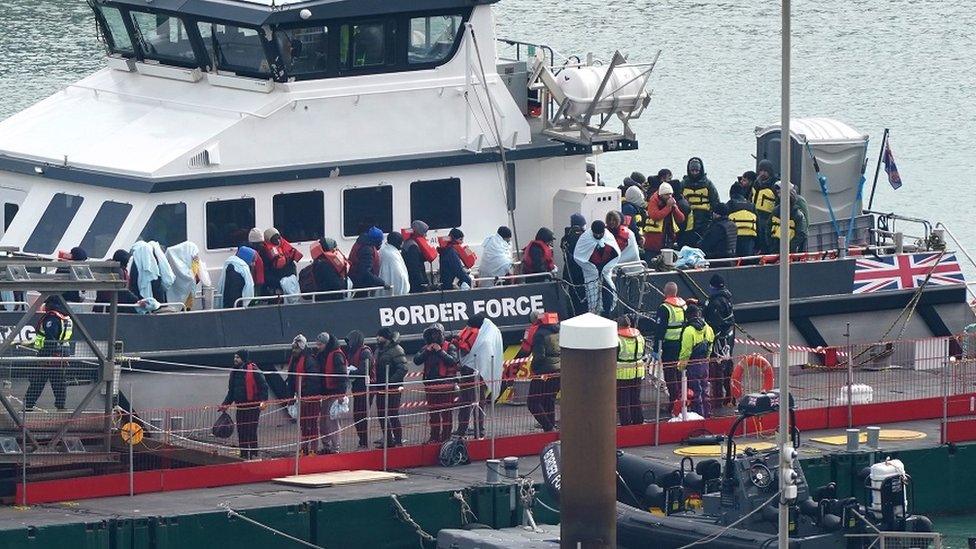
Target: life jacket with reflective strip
[(66, 329), (745, 222), (775, 227), (697, 198), (765, 200), (676, 318), (652, 225), (529, 267), (630, 354)]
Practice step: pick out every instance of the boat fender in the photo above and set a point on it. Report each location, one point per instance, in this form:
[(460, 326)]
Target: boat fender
[(754, 361), (826, 491), (654, 497), (693, 482), (810, 508), (830, 523), (709, 469), (705, 440)]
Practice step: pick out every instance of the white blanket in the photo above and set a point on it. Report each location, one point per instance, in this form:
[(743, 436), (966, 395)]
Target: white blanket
[(242, 269), (487, 356), (496, 259), (393, 270), (591, 277)]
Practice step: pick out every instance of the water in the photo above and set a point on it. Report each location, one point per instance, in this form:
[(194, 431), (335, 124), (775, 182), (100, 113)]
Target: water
[(956, 530)]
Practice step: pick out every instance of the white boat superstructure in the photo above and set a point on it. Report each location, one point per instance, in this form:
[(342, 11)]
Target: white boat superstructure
[(317, 118)]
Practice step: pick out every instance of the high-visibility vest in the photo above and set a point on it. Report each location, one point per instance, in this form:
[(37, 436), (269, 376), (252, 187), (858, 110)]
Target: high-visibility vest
[(774, 227), (765, 200), (66, 328), (652, 225), (630, 354), (676, 321), (745, 222)]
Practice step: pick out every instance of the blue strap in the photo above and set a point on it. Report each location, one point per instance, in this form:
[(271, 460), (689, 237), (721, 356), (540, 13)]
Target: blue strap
[(857, 199), (823, 188)]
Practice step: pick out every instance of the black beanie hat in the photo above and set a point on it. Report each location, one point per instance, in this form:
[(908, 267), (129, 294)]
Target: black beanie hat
[(395, 239), (455, 234), (638, 177), (717, 281), (504, 232)]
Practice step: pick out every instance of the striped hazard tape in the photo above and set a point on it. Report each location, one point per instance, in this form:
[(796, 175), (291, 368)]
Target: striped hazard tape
[(798, 348)]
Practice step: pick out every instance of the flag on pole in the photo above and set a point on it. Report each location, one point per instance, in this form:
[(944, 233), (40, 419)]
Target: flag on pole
[(890, 168)]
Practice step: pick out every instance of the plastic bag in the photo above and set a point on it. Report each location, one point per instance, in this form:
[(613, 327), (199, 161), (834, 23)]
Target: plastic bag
[(291, 287), (339, 407), (690, 258), (223, 427)]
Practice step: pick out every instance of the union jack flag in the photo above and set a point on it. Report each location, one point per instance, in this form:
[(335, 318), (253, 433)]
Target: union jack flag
[(904, 272), (890, 168)]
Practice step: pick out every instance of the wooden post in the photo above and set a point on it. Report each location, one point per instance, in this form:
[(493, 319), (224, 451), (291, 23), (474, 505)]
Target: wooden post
[(588, 432)]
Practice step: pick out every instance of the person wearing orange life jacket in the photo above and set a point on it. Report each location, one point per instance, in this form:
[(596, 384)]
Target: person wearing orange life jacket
[(537, 256), (452, 269), (440, 370), (247, 390), (631, 369), (544, 385), (305, 381), (360, 368), (474, 391), (330, 270), (670, 318), (417, 254), (332, 363), (626, 239), (280, 260)]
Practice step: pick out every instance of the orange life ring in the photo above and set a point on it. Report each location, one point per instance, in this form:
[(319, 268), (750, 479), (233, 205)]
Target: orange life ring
[(753, 361)]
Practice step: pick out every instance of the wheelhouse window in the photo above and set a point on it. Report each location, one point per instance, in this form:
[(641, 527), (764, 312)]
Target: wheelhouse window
[(228, 222), (303, 50), (300, 217), (235, 49), (432, 38), (362, 45), (163, 38), (9, 213), (436, 202), (117, 34), (166, 225), (367, 207), (105, 228), (53, 223)]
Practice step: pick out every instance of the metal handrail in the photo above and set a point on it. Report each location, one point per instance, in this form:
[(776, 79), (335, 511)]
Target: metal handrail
[(958, 244), (179, 306), (891, 216), (510, 277), (241, 300)]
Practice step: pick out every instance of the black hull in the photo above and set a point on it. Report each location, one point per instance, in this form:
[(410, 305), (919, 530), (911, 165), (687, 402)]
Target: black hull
[(823, 304)]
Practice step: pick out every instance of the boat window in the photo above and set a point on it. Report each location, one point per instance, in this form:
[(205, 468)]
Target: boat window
[(228, 222), (166, 225), (366, 207), (432, 38), (115, 28), (300, 217), (436, 202), (9, 212), (53, 223), (163, 38), (104, 228), (235, 49), (362, 45), (303, 50)]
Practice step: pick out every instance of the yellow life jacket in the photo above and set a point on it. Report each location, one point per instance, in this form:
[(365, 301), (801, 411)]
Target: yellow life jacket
[(765, 200), (652, 225), (630, 354), (775, 227), (745, 222)]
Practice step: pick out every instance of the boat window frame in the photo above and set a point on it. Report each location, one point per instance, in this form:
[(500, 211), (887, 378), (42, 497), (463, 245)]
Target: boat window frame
[(116, 223), (271, 53), (109, 36), (342, 206), (460, 202), (454, 47), (156, 207), (42, 221), (330, 53), (206, 220), (189, 26), (275, 222)]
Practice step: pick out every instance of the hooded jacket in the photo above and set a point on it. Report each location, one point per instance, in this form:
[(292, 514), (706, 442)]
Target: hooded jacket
[(451, 267), (695, 333), (719, 312), (719, 239), (302, 362), (332, 362), (360, 357), (701, 195), (414, 259), (438, 357), (391, 363), (329, 277), (364, 261)]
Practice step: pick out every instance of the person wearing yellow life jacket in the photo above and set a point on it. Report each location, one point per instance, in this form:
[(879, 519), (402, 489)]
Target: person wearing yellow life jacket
[(696, 346), (764, 199), (797, 227), (50, 340), (670, 319), (631, 369), (742, 212), (702, 196), (744, 186)]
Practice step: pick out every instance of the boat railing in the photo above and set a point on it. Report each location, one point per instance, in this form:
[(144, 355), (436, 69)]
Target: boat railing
[(887, 220), (955, 241), (239, 302), (22, 305), (497, 279)]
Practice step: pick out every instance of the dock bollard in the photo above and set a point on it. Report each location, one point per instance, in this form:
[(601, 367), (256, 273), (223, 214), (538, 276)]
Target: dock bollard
[(510, 467), (588, 433), (853, 439), (493, 471), (874, 436)]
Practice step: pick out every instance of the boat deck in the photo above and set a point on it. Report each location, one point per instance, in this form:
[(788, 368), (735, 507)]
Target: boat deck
[(420, 480)]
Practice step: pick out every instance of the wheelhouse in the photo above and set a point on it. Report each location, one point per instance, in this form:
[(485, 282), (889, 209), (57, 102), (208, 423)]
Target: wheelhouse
[(284, 43)]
